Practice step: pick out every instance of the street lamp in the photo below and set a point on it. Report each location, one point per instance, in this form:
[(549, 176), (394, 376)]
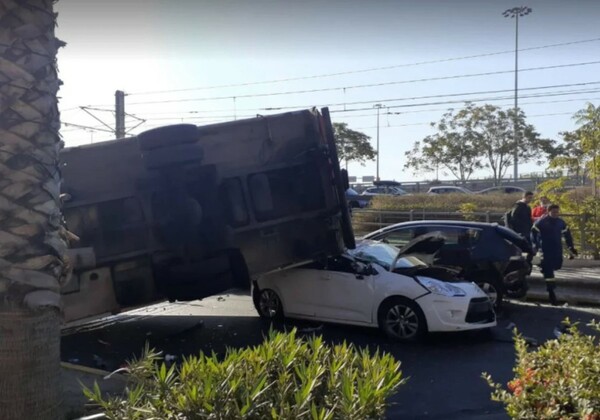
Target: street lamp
[(515, 13), (378, 106)]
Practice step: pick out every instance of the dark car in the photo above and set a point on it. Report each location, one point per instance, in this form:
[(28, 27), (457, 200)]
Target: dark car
[(355, 200), (488, 254)]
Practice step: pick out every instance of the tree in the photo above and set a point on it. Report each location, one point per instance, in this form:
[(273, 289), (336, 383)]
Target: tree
[(479, 137), (589, 140), (32, 249), (494, 128), (454, 147), (352, 146), (569, 156)]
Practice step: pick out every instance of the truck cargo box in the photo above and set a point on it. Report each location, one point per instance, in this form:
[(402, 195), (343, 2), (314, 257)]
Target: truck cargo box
[(184, 212)]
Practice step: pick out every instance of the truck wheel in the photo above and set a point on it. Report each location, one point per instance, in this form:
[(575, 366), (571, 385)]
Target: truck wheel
[(168, 136)]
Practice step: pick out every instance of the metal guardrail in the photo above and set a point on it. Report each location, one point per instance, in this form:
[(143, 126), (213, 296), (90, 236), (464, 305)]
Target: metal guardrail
[(377, 219)]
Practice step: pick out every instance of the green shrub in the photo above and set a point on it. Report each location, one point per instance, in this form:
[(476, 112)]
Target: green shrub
[(577, 201), (468, 211), (445, 202), (446, 207), (559, 380), (284, 378)]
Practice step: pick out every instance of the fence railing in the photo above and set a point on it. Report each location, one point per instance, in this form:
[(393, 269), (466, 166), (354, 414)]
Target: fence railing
[(368, 220)]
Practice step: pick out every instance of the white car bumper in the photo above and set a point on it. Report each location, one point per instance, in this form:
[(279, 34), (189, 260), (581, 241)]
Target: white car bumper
[(458, 313)]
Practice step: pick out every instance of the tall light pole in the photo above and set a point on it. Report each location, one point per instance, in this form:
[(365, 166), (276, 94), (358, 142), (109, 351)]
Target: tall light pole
[(378, 107), (515, 13)]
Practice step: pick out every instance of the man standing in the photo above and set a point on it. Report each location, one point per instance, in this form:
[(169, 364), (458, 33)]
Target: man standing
[(547, 234), (519, 217), (541, 209)]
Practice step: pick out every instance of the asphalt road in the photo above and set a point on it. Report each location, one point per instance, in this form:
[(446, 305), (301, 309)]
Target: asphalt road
[(445, 369)]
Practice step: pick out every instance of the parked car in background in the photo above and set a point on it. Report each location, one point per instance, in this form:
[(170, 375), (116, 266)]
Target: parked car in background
[(502, 189), (449, 189), (488, 254), (355, 200), (384, 190), (376, 285)]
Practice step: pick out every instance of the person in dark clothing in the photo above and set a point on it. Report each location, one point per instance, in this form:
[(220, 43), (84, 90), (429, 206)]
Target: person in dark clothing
[(520, 216), (547, 235), (519, 219)]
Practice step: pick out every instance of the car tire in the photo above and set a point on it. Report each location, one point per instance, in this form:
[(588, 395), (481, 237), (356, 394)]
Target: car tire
[(402, 319), (494, 289), (267, 304)]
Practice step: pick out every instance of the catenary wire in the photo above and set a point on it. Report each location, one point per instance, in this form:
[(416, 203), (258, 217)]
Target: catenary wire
[(290, 79), (304, 91)]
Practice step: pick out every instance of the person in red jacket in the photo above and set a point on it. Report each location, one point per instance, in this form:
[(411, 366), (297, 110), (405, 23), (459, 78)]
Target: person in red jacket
[(541, 209)]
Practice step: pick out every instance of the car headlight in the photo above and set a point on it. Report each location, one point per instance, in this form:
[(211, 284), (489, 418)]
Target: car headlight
[(439, 287)]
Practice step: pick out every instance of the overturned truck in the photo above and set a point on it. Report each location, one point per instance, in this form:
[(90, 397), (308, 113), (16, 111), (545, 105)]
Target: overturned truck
[(183, 212)]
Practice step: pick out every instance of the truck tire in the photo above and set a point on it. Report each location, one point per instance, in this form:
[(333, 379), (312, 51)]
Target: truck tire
[(172, 156), (167, 136)]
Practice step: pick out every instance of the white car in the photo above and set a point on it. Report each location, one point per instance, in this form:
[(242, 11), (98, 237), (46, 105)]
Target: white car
[(449, 190), (384, 190), (374, 285)]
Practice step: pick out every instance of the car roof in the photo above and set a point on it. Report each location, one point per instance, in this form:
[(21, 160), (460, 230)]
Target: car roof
[(384, 183), (453, 187), (497, 187), (449, 223)]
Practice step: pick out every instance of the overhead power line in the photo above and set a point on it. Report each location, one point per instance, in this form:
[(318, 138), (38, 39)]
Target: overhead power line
[(457, 101), (371, 114), (429, 123), (295, 92), (419, 63), (392, 106), (209, 118)]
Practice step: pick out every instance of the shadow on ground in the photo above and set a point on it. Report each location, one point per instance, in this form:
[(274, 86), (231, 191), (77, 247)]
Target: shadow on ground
[(444, 369)]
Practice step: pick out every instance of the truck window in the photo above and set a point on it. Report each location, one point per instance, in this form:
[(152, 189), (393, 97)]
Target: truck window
[(234, 203), (113, 227), (286, 191)]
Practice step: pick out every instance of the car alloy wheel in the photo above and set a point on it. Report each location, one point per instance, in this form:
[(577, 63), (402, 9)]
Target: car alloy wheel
[(493, 291), (490, 290), (402, 320), (269, 304)]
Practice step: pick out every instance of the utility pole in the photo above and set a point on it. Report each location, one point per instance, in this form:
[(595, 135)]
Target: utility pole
[(378, 106), (119, 114), (515, 13)]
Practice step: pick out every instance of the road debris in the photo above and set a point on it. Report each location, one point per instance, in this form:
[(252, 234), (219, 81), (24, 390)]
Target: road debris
[(311, 330), (106, 343), (511, 326), (221, 299)]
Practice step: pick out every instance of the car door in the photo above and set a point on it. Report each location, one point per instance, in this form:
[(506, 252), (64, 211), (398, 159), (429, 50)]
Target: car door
[(343, 295), (459, 244), (298, 288)]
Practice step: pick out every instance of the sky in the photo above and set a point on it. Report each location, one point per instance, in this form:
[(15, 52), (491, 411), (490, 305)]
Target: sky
[(200, 61)]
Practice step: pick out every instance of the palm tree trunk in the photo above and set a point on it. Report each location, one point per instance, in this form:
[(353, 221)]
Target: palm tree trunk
[(32, 250)]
